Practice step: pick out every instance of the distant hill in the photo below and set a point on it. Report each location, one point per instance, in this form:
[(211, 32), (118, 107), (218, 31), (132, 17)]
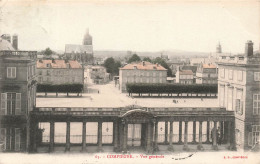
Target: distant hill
[(170, 53)]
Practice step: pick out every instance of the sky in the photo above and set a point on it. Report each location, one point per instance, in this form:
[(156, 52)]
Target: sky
[(133, 25)]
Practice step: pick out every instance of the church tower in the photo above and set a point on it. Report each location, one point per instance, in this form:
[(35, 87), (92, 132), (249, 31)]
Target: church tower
[(87, 38), (219, 49)]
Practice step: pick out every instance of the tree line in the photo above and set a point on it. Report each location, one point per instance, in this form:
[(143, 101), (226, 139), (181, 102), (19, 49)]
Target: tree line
[(170, 88)]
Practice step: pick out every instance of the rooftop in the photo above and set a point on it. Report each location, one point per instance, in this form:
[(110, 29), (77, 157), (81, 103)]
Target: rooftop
[(209, 66), (144, 65), (58, 64), (186, 72)]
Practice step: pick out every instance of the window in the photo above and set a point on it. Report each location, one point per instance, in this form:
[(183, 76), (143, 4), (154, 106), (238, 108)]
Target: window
[(17, 139), (48, 72), (40, 72), (256, 104), (222, 96), (239, 102), (257, 76), (230, 99), (253, 137), (239, 75), (11, 72), (11, 103), (230, 74)]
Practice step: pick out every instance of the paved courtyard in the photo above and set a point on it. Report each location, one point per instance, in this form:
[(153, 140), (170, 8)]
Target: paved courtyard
[(109, 96)]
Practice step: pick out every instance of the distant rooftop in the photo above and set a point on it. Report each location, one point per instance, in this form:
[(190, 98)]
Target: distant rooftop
[(186, 72), (58, 64), (144, 65), (209, 66)]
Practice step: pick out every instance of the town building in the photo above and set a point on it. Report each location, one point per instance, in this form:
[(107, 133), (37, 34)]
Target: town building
[(59, 72), (96, 74), (184, 75), (82, 53), (142, 72), (18, 90), (239, 91), (207, 74)]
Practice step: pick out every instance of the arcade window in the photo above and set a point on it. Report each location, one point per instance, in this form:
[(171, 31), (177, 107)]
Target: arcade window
[(11, 72), (257, 76), (256, 104)]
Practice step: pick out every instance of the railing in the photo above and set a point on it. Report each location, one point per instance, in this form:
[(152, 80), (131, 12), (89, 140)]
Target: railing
[(91, 139), (119, 111), (239, 59), (31, 54)]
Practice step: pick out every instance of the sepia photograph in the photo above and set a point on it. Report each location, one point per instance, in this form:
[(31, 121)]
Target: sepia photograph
[(129, 81)]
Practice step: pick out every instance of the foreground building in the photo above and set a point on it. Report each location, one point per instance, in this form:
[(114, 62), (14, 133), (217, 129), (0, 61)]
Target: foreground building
[(143, 72), (59, 72), (18, 90), (239, 91)]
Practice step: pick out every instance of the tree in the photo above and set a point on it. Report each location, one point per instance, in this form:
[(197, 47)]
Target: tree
[(109, 64), (116, 67), (162, 62), (112, 66), (134, 58), (147, 59), (47, 52)]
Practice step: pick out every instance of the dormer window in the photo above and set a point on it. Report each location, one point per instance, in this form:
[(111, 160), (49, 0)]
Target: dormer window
[(48, 65), (135, 67)]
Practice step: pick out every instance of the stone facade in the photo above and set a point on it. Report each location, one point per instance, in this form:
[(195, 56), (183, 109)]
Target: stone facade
[(143, 72), (59, 72), (97, 74), (207, 74), (17, 90), (238, 90)]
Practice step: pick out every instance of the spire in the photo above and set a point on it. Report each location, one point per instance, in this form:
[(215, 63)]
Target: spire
[(219, 49), (87, 40)]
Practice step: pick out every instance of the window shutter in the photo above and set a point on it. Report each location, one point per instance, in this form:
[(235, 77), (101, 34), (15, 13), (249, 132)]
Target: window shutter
[(241, 107), (8, 72), (17, 139), (237, 105), (250, 139), (2, 138), (18, 104), (13, 72), (3, 103)]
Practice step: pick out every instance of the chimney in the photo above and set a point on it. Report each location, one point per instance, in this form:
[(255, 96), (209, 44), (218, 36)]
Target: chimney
[(52, 60), (15, 41), (249, 49), (143, 63)]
